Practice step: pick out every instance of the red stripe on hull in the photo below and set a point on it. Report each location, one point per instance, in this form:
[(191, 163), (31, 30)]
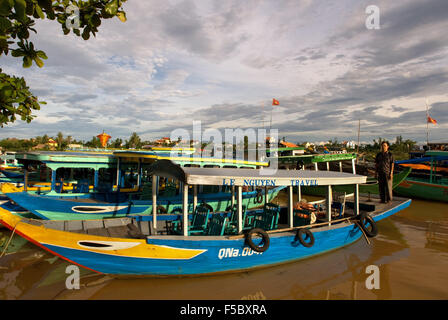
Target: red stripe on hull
[(45, 248)]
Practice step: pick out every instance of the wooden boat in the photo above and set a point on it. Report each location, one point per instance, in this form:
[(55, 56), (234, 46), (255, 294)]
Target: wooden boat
[(429, 185), (137, 245), (370, 187), (95, 205), (101, 171)]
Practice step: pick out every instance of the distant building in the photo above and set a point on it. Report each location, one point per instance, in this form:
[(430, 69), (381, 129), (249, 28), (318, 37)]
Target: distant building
[(163, 142), (51, 143), (74, 146)]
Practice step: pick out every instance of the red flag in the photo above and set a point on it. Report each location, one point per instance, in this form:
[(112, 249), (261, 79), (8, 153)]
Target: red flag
[(275, 102), (431, 120)]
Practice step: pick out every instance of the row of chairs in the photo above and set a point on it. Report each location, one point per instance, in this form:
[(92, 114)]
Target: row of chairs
[(220, 224)]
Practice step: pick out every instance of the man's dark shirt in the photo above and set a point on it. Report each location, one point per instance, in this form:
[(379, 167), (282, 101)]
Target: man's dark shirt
[(384, 162)]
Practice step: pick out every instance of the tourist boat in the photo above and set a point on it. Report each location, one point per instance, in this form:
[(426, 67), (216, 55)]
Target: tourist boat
[(115, 202), (9, 162), (313, 160), (154, 245), (430, 182)]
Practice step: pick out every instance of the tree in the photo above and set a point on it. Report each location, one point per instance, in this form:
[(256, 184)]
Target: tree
[(16, 23), (134, 141), (94, 143), (117, 143)]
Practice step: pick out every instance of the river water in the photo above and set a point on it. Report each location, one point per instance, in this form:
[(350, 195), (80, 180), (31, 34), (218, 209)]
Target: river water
[(410, 251)]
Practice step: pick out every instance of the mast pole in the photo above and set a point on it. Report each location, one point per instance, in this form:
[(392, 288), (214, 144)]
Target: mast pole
[(357, 147)]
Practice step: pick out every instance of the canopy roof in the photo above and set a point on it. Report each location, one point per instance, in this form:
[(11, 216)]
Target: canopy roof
[(250, 177), (149, 157)]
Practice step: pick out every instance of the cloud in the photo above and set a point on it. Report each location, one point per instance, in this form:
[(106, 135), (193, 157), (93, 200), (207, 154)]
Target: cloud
[(222, 62)]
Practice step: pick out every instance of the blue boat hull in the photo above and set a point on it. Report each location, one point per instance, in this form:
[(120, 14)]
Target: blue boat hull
[(221, 254), (55, 208)]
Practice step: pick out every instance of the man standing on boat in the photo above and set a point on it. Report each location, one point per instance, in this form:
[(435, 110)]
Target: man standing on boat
[(384, 164)]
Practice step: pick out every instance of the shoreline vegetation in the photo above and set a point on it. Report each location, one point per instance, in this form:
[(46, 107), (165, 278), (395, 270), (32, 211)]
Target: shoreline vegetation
[(366, 152)]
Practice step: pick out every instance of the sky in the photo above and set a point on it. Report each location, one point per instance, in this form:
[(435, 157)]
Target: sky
[(222, 63)]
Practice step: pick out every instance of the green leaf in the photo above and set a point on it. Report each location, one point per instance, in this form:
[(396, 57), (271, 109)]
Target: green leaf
[(41, 54), (112, 7), (40, 12), (96, 21), (4, 24), (17, 53), (39, 62), (5, 7), (27, 62), (20, 7), (122, 16), (86, 33)]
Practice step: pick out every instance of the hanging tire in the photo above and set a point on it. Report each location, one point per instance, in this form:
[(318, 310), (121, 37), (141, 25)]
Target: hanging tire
[(365, 221), (161, 209), (308, 240), (259, 198), (261, 246)]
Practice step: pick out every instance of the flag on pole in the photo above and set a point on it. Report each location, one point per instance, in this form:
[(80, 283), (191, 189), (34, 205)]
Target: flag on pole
[(431, 120), (275, 102)]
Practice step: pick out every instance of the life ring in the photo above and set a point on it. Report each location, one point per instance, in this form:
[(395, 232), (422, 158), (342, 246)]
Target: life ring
[(308, 235), (161, 209), (177, 210), (264, 243), (259, 198), (364, 220), (207, 206)]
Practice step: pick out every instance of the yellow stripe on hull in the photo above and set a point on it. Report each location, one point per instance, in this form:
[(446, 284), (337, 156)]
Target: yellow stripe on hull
[(136, 248)]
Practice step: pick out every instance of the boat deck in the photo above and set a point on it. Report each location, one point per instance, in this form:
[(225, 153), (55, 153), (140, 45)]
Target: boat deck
[(130, 227)]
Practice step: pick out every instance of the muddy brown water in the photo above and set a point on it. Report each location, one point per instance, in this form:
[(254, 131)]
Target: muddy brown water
[(410, 251)]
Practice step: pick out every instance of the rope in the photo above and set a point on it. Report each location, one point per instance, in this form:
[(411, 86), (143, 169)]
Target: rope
[(10, 238), (365, 236)]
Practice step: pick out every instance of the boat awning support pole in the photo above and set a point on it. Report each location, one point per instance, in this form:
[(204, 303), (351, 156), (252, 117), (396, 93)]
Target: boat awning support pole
[(266, 195), (329, 201), (195, 197), (185, 209), (139, 173), (315, 166), (25, 178), (299, 193), (353, 166), (432, 168), (233, 196), (356, 204), (154, 201), (240, 208), (328, 166), (118, 173), (95, 180), (340, 166), (53, 180), (290, 207)]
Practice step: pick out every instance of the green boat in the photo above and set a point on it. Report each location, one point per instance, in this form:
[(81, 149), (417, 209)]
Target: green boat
[(432, 185), (370, 187)]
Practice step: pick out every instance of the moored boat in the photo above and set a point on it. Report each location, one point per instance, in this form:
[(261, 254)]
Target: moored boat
[(426, 184), (153, 245)]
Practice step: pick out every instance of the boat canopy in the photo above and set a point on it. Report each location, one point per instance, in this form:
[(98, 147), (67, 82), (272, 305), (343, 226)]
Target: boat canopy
[(238, 178), (431, 155), (150, 157), (249, 177)]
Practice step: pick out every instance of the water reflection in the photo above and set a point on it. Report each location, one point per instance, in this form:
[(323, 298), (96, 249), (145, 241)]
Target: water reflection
[(410, 252)]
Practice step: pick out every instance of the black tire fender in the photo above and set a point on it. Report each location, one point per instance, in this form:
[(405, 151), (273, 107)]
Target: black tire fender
[(364, 219), (161, 209), (308, 235), (259, 198), (265, 239)]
